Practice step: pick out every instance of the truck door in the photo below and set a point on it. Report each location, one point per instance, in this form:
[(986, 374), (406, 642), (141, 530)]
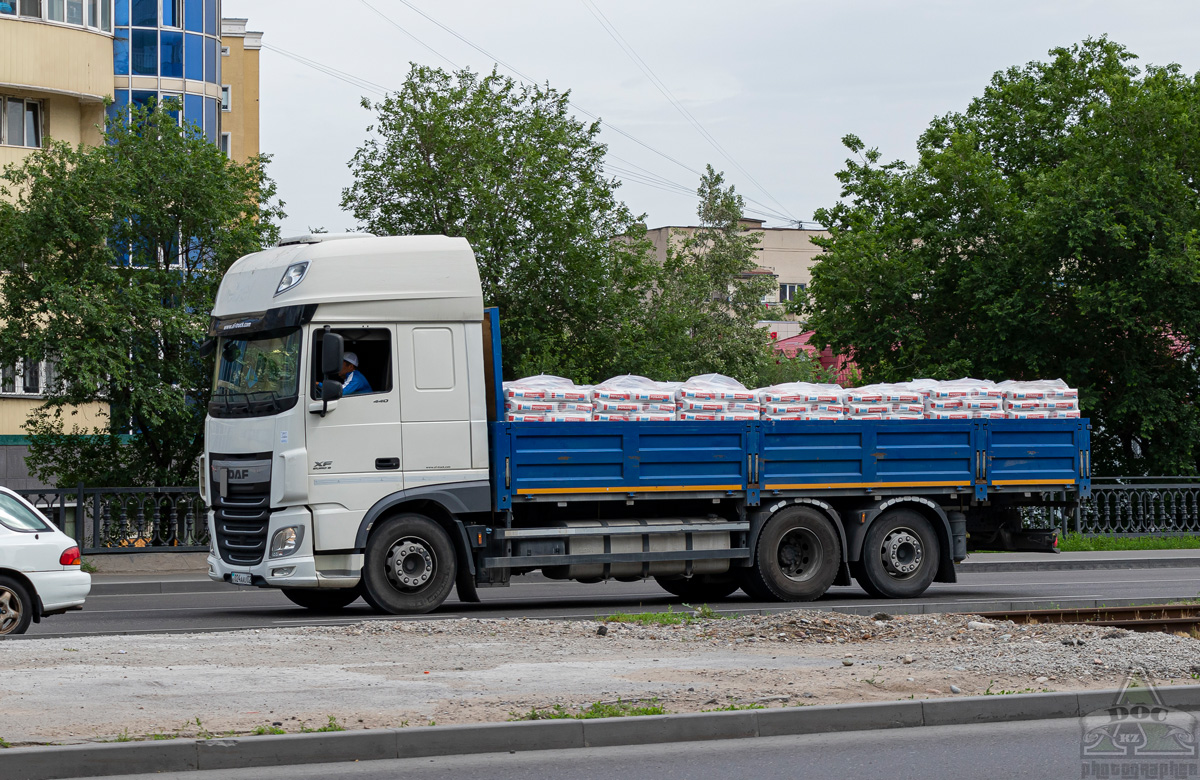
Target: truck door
[(355, 451), (435, 404)]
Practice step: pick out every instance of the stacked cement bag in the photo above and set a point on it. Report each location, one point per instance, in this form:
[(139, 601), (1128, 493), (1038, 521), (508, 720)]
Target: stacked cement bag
[(883, 402), (1046, 399), (546, 398), (802, 401), (632, 397), (961, 399), (716, 397)]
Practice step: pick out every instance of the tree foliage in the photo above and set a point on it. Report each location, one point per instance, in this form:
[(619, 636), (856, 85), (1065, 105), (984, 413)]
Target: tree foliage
[(507, 167), (1049, 230), (111, 258)]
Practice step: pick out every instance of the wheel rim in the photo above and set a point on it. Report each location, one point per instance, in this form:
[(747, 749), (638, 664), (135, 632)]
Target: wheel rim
[(799, 555), (10, 611), (902, 553), (410, 563)]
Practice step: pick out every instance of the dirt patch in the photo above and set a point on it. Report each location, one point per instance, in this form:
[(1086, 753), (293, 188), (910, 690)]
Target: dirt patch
[(385, 674)]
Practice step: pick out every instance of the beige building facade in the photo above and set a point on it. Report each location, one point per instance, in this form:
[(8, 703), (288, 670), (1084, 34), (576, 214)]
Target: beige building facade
[(239, 98), (788, 253), (61, 63)]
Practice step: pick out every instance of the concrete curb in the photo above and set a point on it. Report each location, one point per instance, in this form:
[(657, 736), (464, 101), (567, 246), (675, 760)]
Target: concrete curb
[(53, 763), (1055, 563)]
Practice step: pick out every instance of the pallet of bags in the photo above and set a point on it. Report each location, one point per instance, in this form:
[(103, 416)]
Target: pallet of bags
[(802, 401), (716, 397), (632, 397), (961, 399), (883, 402), (546, 398), (1043, 399)]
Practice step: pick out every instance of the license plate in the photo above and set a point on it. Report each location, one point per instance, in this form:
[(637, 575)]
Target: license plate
[(242, 578)]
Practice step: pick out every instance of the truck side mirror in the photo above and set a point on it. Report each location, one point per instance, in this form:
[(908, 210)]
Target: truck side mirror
[(331, 390), (208, 346), (331, 353)]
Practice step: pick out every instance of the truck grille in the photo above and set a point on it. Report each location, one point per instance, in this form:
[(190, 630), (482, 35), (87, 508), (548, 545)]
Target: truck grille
[(243, 515)]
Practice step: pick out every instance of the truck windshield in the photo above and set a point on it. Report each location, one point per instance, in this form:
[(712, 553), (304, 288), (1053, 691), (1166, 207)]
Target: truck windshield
[(256, 374)]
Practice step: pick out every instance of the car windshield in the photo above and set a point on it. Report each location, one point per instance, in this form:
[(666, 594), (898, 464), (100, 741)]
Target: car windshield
[(18, 517), (256, 373)]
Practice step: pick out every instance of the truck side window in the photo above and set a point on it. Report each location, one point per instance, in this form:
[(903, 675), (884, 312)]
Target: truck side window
[(372, 346)]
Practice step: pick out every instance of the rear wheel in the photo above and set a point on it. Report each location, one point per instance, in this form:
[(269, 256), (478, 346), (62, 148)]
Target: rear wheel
[(322, 599), (796, 558), (700, 587), (16, 607), (900, 555), (409, 566)]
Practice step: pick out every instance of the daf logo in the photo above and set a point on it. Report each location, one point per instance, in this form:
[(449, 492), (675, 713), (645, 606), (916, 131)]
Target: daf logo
[(239, 473)]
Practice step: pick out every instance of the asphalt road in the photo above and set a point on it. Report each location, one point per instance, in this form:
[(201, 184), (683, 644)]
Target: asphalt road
[(1035, 749), (238, 608)]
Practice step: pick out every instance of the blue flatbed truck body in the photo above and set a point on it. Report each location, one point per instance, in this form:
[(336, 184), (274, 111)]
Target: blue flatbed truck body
[(555, 482), (757, 461)]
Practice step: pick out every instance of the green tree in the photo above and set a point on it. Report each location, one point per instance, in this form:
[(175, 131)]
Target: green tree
[(111, 258), (707, 300), (507, 167), (1049, 230)]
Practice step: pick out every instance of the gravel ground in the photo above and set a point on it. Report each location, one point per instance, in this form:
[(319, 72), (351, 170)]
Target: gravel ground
[(381, 674)]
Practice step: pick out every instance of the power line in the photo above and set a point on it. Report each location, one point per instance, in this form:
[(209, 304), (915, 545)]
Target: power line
[(529, 80), (661, 86), (328, 70)]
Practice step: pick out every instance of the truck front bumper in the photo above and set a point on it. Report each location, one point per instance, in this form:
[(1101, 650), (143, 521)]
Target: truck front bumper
[(301, 569)]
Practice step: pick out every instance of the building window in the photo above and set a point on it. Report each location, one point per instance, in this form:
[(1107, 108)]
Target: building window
[(20, 122), (27, 377), (787, 292), (226, 145), (172, 13), (96, 14), (224, 97)]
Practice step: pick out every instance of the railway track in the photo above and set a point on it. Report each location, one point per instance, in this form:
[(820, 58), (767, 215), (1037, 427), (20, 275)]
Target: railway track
[(1168, 618)]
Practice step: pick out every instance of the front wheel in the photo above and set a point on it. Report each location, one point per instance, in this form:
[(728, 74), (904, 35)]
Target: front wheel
[(796, 558), (409, 566), (16, 607), (322, 600), (900, 555)]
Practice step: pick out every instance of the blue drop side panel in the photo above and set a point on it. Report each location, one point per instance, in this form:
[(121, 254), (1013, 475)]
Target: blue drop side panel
[(628, 455), (802, 452), (1035, 449)]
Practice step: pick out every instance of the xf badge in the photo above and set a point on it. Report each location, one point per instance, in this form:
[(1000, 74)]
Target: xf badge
[(322, 465)]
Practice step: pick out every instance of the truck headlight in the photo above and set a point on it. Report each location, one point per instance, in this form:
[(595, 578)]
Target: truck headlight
[(286, 541)]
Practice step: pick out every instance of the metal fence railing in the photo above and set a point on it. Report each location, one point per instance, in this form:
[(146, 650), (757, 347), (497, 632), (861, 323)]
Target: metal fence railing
[(1140, 505), (173, 519), (170, 519)]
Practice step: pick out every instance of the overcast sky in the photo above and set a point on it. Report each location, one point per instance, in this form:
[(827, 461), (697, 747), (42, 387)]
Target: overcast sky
[(776, 84)]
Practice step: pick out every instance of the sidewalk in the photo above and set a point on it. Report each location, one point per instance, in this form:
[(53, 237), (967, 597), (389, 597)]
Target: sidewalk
[(155, 573)]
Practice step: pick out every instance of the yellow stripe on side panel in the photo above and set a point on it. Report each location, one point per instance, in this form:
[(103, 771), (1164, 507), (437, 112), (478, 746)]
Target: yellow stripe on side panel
[(1033, 482), (835, 485), (641, 489)]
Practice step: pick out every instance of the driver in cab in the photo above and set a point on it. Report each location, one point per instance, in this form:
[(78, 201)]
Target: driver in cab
[(353, 382)]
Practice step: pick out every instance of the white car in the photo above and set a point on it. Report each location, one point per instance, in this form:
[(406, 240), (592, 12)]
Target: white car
[(40, 570)]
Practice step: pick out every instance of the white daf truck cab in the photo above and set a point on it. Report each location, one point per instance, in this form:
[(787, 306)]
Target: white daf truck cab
[(411, 309)]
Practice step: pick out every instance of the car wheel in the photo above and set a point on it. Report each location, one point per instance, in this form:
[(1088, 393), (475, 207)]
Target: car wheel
[(16, 607)]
